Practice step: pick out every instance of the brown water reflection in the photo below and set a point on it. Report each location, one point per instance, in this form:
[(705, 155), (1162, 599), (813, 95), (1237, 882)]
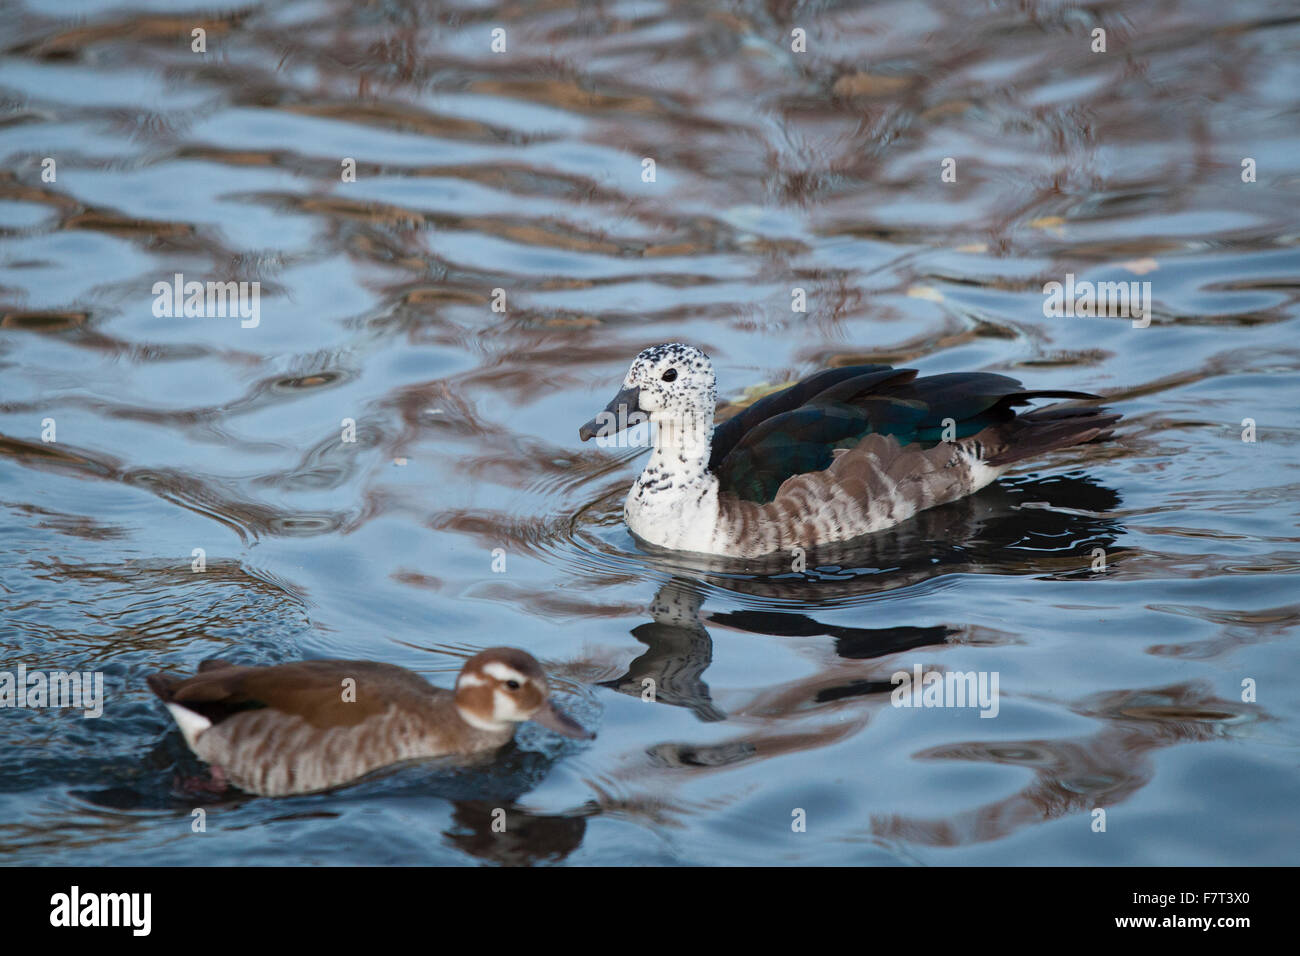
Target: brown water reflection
[(1081, 775)]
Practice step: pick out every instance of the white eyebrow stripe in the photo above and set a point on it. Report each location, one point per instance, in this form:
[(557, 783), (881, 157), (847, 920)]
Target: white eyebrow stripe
[(503, 672), (472, 680)]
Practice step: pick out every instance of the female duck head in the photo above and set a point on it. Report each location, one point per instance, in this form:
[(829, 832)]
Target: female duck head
[(503, 686), (671, 385)]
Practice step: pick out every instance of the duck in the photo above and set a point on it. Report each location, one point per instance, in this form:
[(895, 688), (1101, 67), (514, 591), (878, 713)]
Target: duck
[(314, 725), (843, 453)]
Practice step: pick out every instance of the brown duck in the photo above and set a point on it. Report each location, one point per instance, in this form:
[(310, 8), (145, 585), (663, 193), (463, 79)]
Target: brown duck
[(312, 725)]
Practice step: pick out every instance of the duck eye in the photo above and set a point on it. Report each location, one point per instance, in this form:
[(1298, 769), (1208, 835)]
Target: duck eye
[(670, 375), (512, 684)]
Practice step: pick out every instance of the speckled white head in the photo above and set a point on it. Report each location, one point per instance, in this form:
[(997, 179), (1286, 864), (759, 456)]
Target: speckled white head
[(675, 381), (673, 384)]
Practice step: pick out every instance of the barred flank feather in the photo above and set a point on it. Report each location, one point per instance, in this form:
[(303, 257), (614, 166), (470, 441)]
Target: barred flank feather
[(790, 481), (797, 431)]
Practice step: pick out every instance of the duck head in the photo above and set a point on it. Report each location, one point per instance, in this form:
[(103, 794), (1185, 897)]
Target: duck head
[(670, 385), (503, 686)]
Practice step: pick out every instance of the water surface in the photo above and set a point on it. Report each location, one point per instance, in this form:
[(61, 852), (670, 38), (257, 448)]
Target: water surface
[(1120, 688)]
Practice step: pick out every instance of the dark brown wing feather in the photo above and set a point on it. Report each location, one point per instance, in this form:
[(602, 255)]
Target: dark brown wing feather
[(312, 690), (799, 430), (1046, 429)]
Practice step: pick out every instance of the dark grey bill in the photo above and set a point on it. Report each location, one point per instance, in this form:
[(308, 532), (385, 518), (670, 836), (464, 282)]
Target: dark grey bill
[(623, 412), (560, 722)]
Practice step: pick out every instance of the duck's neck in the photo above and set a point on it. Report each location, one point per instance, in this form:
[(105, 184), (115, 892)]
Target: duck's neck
[(484, 724), (674, 504), (683, 444)]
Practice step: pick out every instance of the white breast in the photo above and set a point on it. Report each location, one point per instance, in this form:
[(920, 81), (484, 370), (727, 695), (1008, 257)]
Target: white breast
[(683, 517)]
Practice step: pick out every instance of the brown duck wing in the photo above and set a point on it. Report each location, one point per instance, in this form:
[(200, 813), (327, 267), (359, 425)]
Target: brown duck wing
[(312, 690)]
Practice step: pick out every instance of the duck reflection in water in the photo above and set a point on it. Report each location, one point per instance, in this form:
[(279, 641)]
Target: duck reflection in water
[(1046, 526), (489, 819)]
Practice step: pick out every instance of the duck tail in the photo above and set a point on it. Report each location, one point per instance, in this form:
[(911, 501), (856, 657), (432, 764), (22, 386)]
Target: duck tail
[(1050, 428), (164, 685)]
